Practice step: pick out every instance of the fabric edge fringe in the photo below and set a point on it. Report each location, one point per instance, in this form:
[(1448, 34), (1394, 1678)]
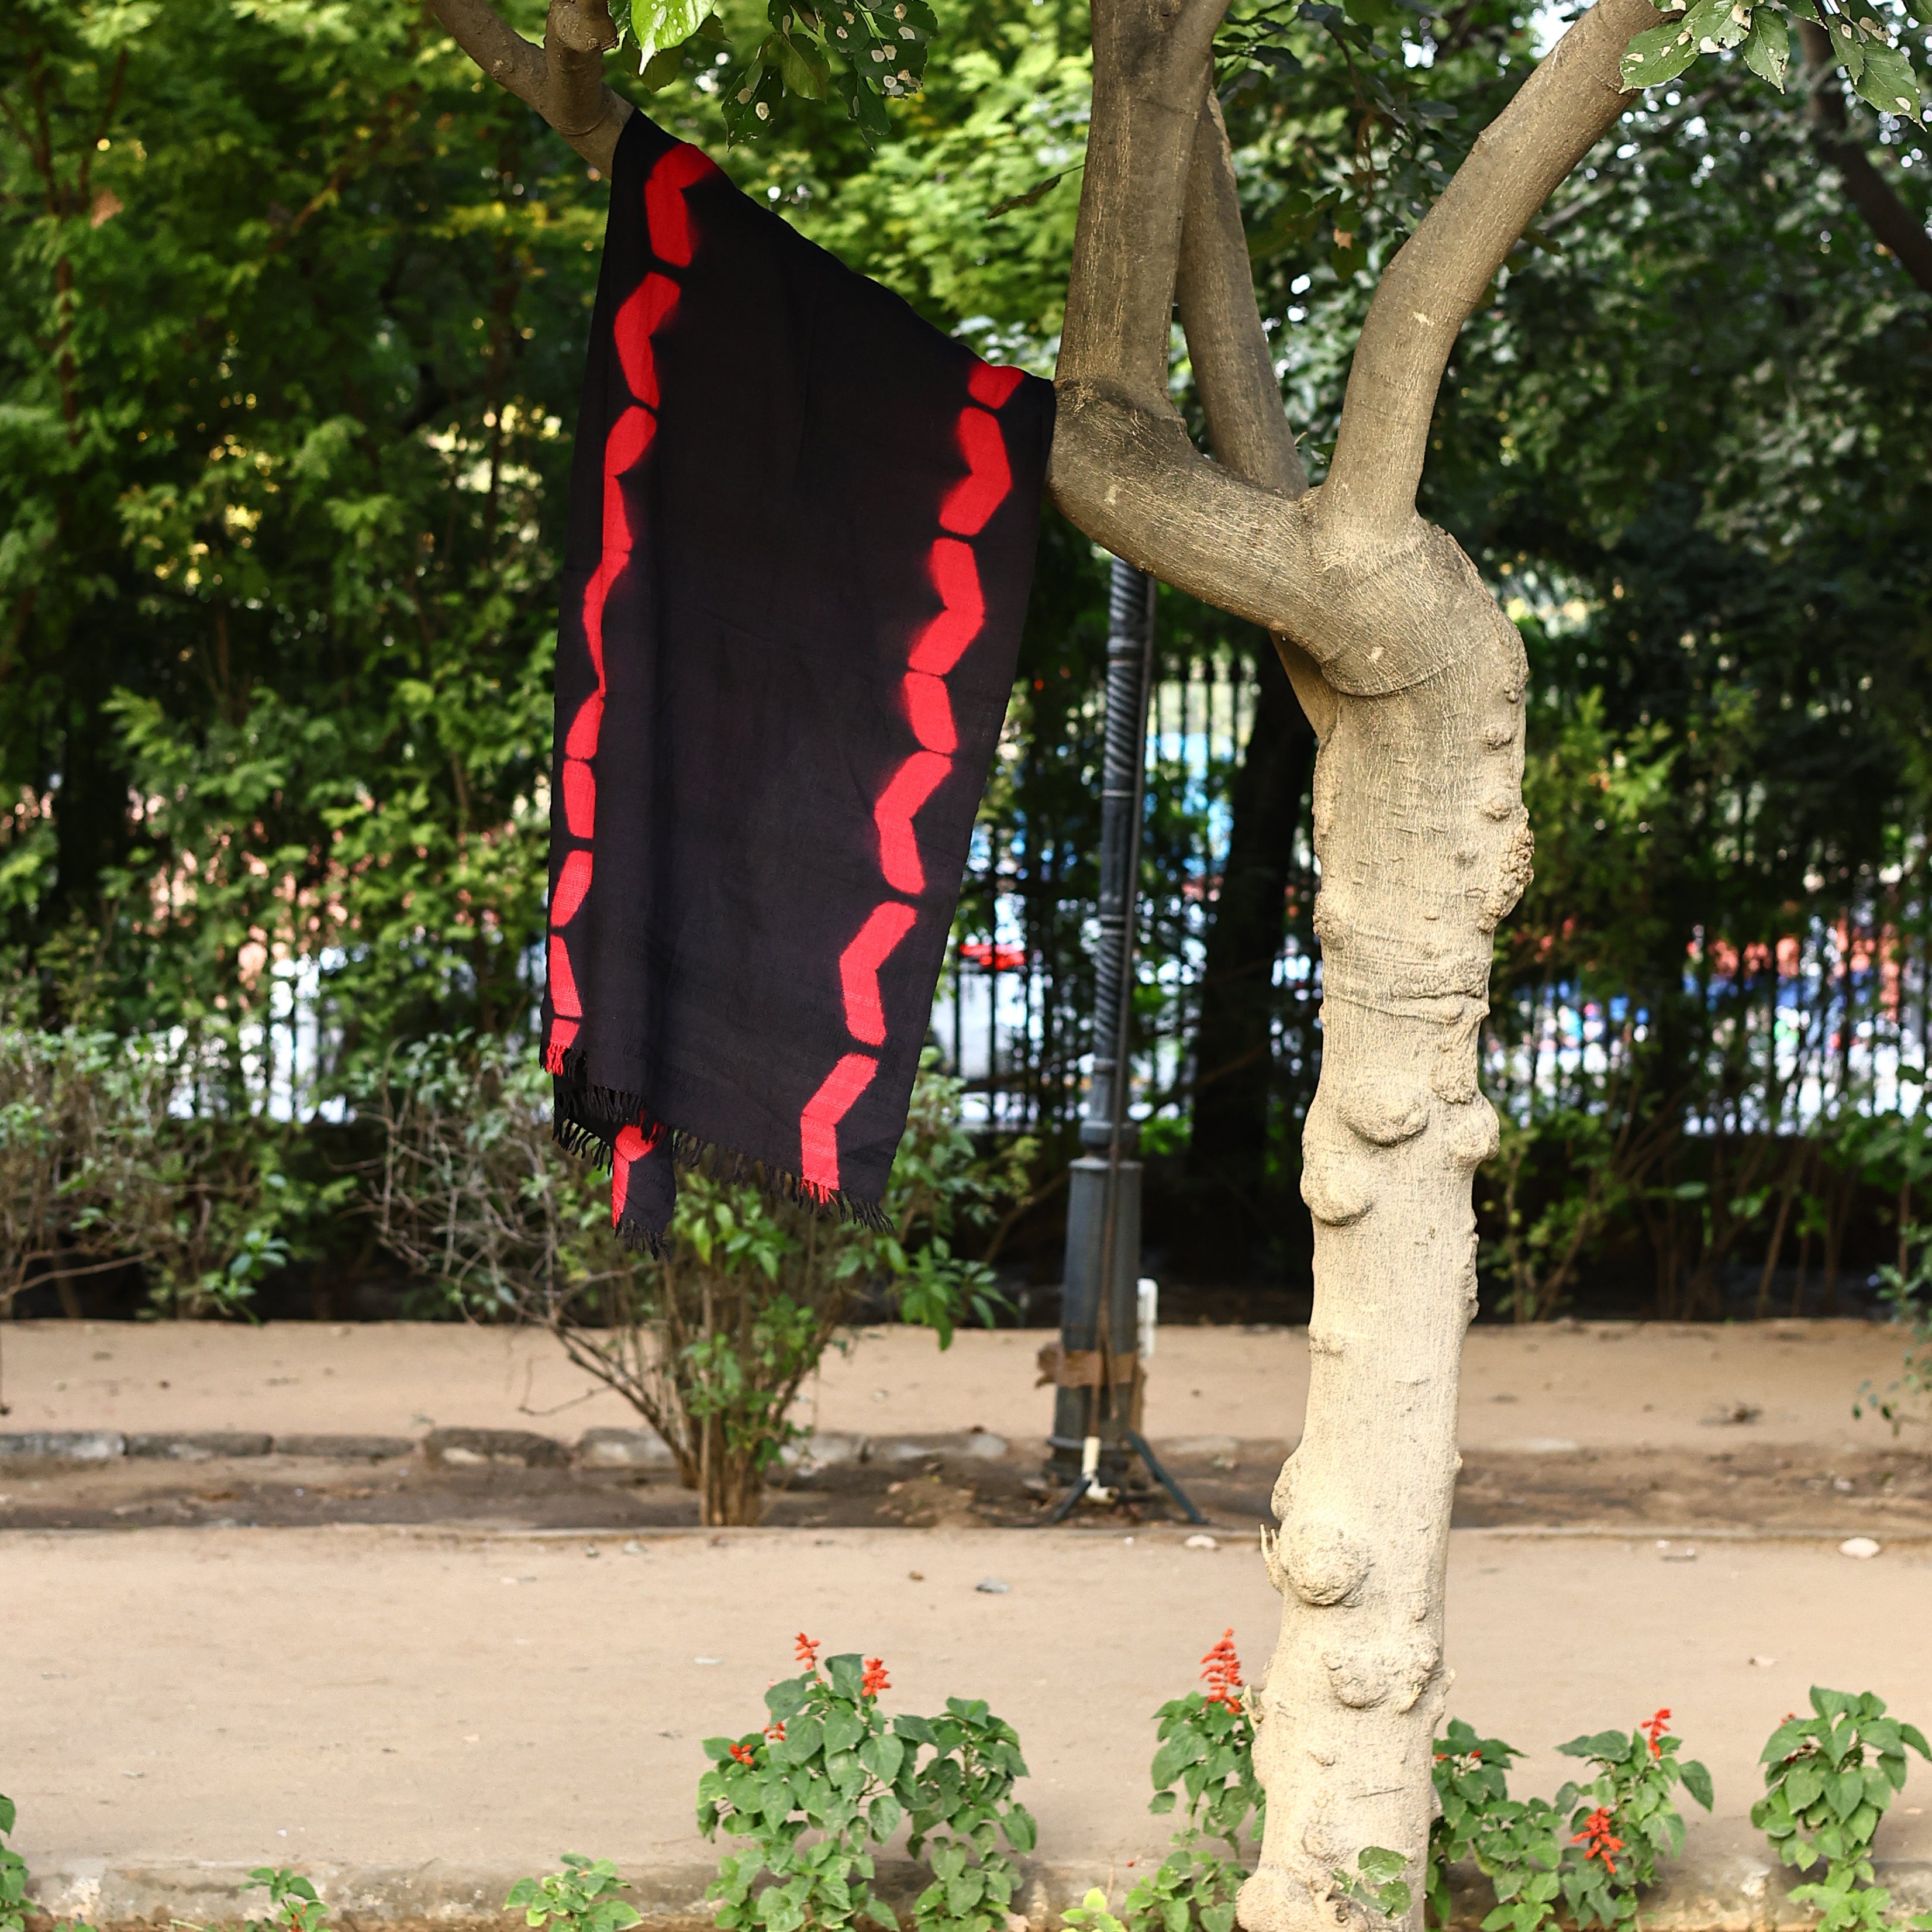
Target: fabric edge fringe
[(610, 1109)]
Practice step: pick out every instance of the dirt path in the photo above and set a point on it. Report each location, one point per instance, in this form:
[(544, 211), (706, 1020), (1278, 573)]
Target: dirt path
[(1622, 1385), (394, 1698)]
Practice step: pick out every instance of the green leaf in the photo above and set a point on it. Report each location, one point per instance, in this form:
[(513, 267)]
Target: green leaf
[(1697, 1782), (1888, 82), (664, 23), (1846, 1791), (1767, 48)]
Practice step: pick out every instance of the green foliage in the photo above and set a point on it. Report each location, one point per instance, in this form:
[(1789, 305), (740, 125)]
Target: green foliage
[(293, 1904), (1908, 1294), (13, 1875), (1516, 1843), (582, 1897), (711, 1339), (1861, 34), (1829, 1779), (1204, 1746), (831, 1775), (109, 1155), (1626, 1817), (1091, 1914), (1622, 1821), (1377, 1882)]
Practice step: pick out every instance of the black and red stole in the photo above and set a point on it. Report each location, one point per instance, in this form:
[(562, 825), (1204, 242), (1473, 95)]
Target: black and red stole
[(801, 537)]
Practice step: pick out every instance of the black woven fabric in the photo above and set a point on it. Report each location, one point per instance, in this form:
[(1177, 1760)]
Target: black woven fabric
[(801, 533)]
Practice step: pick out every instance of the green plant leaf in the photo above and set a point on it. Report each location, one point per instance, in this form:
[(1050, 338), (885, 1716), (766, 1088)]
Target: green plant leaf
[(1767, 47), (1888, 83)]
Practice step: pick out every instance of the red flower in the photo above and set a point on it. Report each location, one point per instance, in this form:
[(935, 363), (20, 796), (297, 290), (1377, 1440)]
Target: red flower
[(807, 1651), (743, 1753), (1222, 1669), (875, 1679), (1597, 1829), (1654, 1728), (775, 1732)]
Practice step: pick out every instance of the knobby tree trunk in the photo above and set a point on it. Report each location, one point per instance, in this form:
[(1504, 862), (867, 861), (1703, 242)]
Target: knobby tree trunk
[(1413, 679)]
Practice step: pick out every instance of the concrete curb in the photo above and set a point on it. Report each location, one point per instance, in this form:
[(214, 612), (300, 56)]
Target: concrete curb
[(1727, 1893), (458, 1448)]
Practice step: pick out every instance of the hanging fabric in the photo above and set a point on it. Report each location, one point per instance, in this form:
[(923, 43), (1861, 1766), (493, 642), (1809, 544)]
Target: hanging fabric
[(801, 537)]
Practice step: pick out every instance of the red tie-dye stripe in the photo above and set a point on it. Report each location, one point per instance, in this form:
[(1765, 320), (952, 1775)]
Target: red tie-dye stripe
[(665, 208), (632, 1143), (818, 1125), (971, 501), (572, 883), (931, 711), (650, 305), (955, 576), (991, 383), (858, 970), (968, 507), (647, 308), (911, 785)]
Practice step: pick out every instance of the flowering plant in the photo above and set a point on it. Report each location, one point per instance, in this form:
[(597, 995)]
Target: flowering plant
[(1515, 1842), (1626, 1817), (830, 1775), (1205, 1745), (1829, 1778)]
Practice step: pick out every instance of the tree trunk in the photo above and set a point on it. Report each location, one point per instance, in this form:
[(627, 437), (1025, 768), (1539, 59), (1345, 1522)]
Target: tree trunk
[(1227, 1156), (1349, 1716)]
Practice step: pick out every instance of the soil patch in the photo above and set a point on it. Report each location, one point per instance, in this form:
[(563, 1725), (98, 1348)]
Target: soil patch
[(1766, 1486)]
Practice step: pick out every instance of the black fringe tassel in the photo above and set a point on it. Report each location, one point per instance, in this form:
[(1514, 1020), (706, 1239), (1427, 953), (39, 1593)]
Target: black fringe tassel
[(589, 1118)]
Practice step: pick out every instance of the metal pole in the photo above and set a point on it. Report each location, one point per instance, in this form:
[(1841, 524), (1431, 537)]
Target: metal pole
[(1103, 1218)]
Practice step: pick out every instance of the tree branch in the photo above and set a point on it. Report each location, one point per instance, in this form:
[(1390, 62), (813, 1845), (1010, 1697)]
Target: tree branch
[(563, 80), (1150, 69), (1446, 265), (1868, 191), (1234, 366)]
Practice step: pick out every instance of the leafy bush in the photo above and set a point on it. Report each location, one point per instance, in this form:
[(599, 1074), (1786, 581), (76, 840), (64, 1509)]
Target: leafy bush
[(830, 1776), (1908, 1290), (710, 1341), (582, 1897), (1205, 1745), (113, 1151), (1828, 1779), (1623, 1820)]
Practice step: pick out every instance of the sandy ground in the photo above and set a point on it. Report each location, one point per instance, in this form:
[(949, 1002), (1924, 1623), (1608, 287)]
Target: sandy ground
[(319, 1695), (1621, 1385)]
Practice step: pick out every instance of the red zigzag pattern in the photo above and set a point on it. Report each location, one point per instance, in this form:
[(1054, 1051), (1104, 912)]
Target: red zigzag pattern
[(967, 507), (649, 306)]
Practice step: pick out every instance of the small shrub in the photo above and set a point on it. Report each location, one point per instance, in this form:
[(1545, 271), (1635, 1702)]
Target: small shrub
[(1626, 1817), (1516, 1844), (1829, 1779), (1624, 1820), (1204, 1746), (582, 1897), (293, 1906), (830, 1776), (13, 1875), (1909, 1290)]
